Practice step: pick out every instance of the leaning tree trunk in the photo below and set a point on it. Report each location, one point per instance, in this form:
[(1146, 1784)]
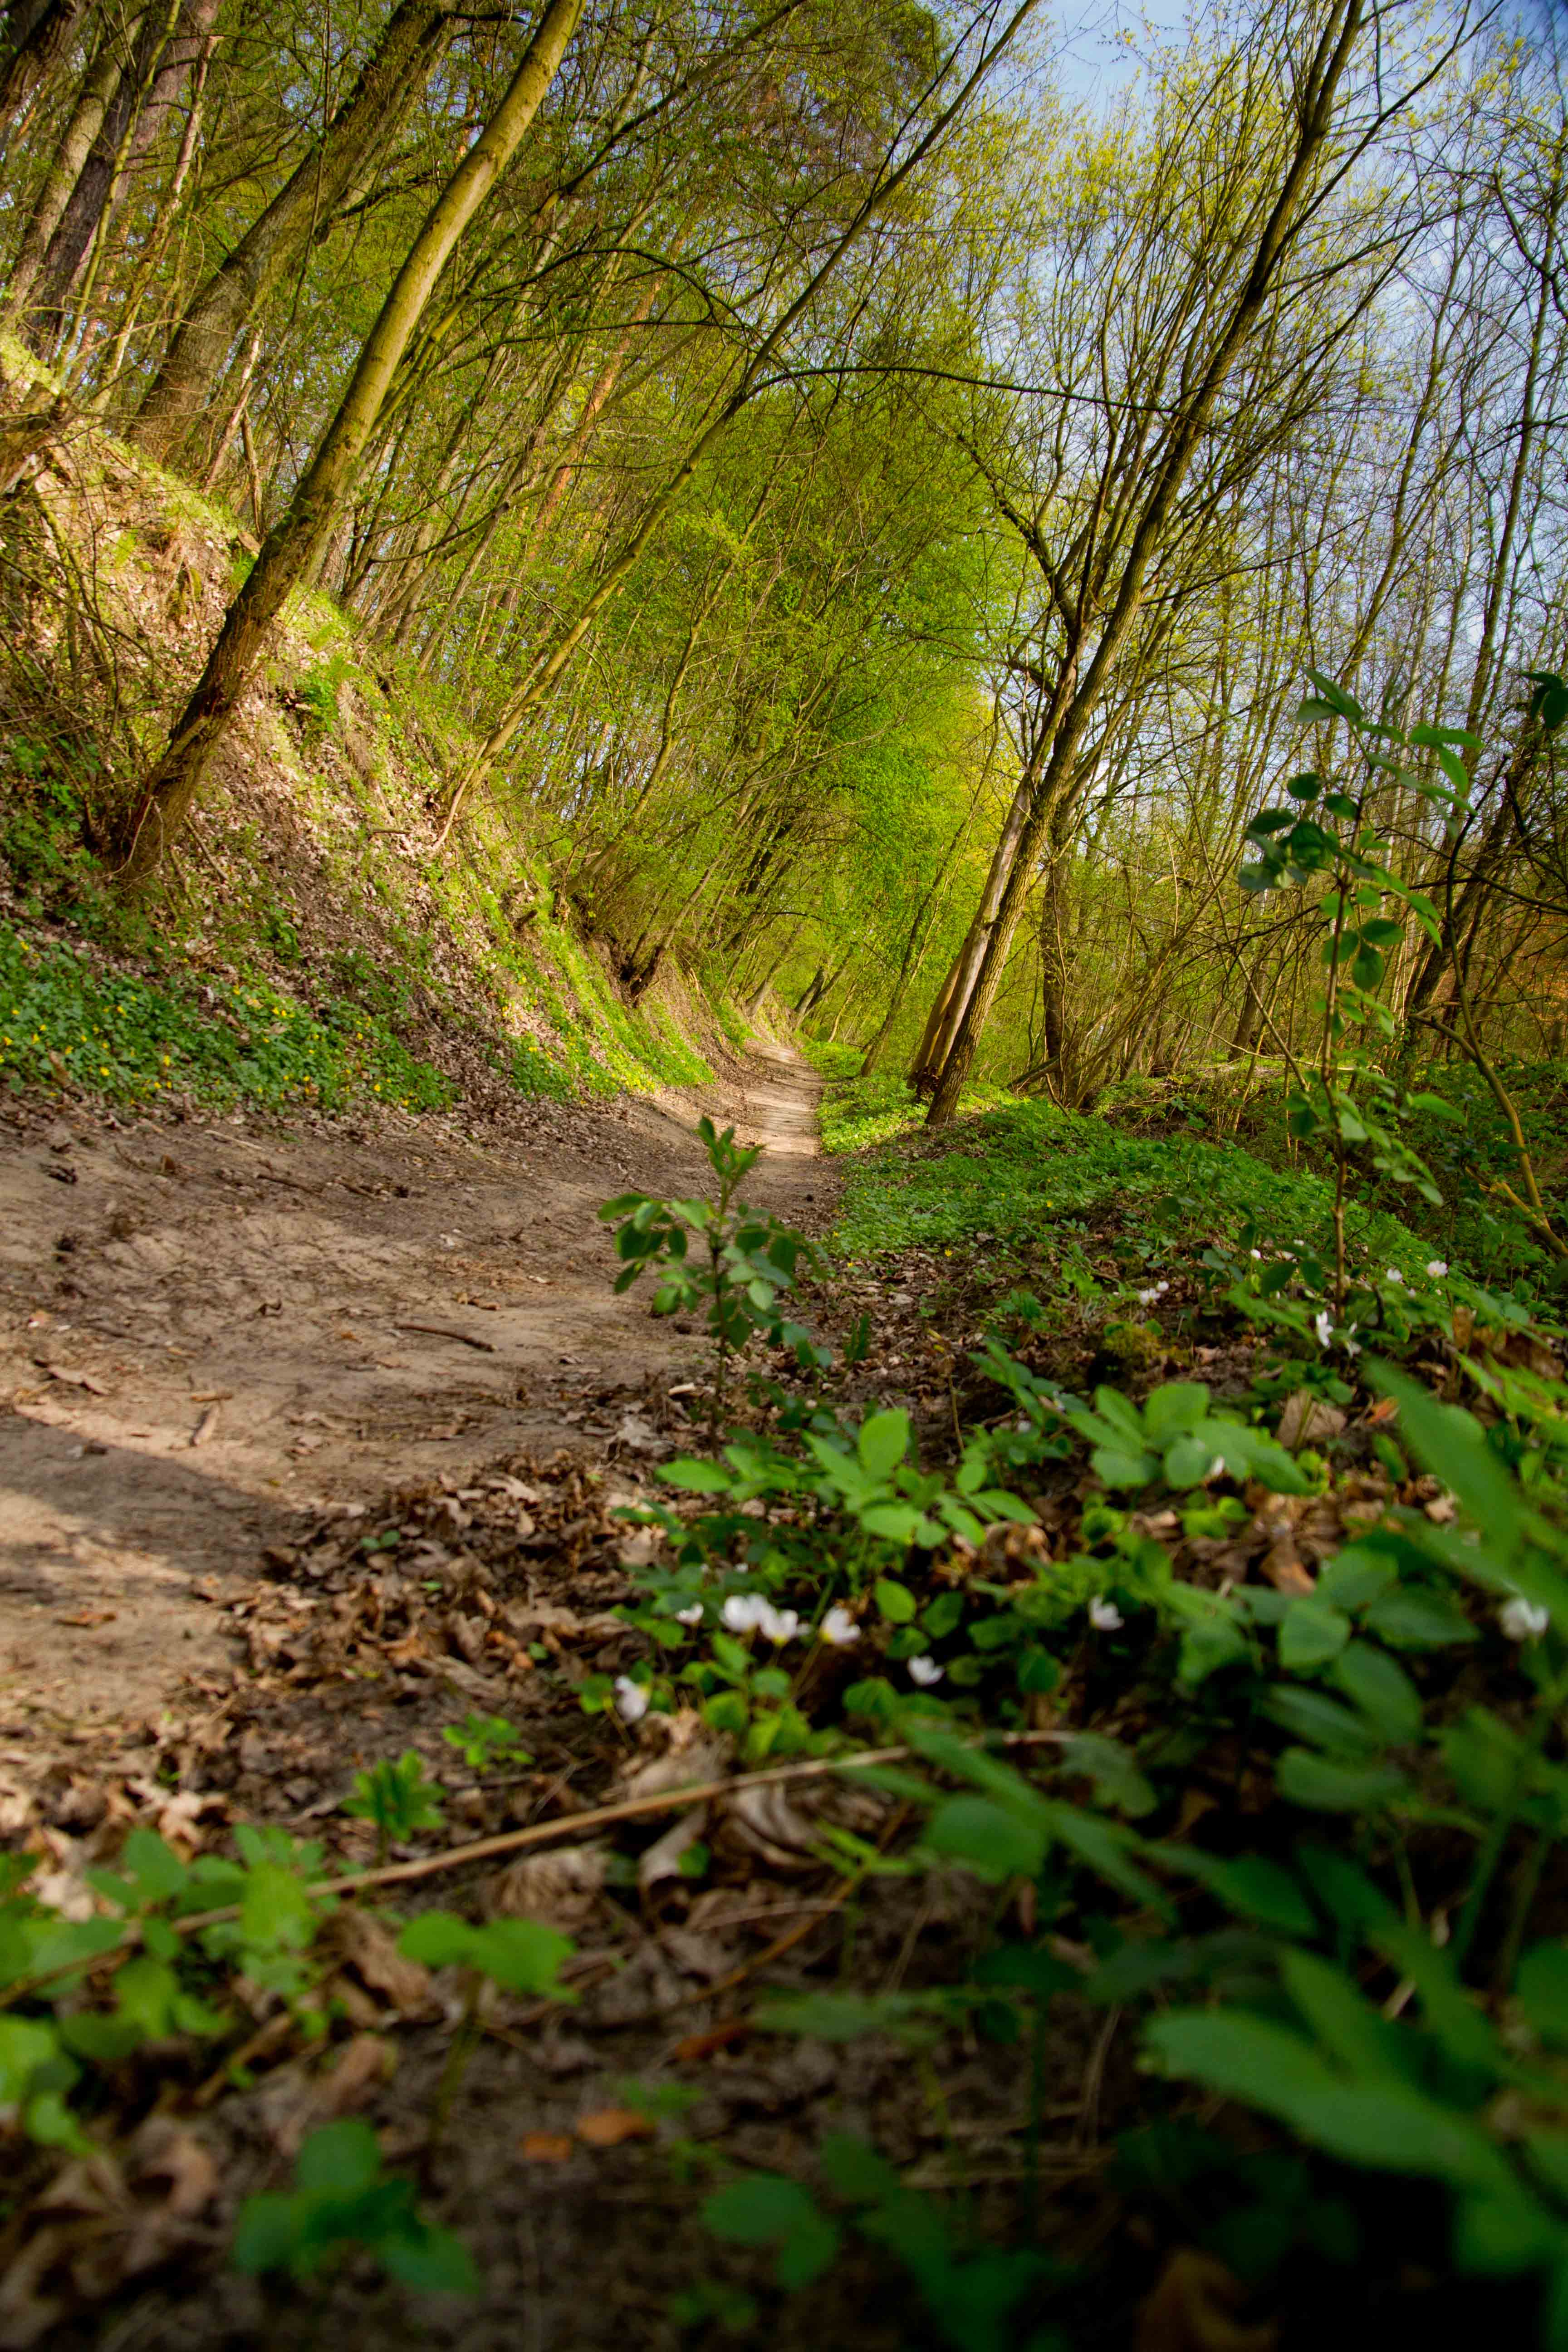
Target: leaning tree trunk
[(953, 1002), (168, 45), (1186, 428), (296, 542), (34, 38), (82, 127), (302, 212)]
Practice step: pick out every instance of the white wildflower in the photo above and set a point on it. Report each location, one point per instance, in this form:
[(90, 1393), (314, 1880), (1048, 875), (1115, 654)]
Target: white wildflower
[(1258, 1254), (1393, 1275), (1323, 1325), (1104, 1615), (692, 1616), (1147, 1297), (838, 1629), (1348, 1341), (1522, 1619), (631, 1699), (743, 1612), (1437, 1268), (777, 1625), (924, 1672)]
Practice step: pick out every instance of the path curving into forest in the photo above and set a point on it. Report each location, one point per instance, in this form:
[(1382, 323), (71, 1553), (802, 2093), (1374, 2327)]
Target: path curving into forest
[(213, 1332)]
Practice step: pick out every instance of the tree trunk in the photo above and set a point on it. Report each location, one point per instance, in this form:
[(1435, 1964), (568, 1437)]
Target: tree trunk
[(35, 36), (82, 127), (1207, 378), (1439, 953), (296, 542), (168, 43), (302, 212), (959, 988)]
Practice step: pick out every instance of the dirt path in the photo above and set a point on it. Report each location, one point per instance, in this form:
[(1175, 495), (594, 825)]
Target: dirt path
[(210, 1331)]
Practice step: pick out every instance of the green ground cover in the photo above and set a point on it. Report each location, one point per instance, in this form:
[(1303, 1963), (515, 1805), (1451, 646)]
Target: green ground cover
[(70, 1024)]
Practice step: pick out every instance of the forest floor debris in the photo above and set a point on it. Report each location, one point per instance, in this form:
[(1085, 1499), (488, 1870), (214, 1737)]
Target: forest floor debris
[(272, 1276)]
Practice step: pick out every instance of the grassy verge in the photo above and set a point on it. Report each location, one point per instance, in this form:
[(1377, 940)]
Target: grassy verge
[(1077, 1207), (858, 1112)]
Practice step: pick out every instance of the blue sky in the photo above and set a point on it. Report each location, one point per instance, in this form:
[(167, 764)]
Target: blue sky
[(1094, 58)]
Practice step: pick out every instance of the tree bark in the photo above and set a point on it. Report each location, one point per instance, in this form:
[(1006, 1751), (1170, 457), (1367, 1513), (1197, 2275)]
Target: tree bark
[(168, 43), (954, 1002), (35, 36), (301, 212), (298, 540), (1440, 952), (82, 127)]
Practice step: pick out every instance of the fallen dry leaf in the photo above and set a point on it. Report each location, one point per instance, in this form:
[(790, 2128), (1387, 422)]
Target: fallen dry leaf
[(763, 1823), (71, 1379), (1191, 2308), (559, 1888), (698, 2046), (1307, 1420), (100, 2225), (544, 2147), (367, 2061), (88, 1617), (1284, 1567), (367, 1946), (662, 1859), (610, 2125)]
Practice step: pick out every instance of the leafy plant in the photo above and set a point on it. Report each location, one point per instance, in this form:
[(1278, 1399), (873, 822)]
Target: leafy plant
[(483, 1740), (971, 2293), (397, 1798), (342, 2199), (1351, 1099), (1177, 1437), (745, 1260)]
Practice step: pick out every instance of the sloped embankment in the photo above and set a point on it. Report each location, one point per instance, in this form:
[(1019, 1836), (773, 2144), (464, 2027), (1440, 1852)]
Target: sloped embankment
[(316, 921)]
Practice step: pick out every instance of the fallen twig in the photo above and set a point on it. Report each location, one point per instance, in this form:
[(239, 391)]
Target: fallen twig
[(666, 1800), (447, 1331)]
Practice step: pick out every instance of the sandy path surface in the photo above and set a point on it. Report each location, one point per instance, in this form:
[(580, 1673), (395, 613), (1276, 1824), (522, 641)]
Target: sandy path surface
[(211, 1330)]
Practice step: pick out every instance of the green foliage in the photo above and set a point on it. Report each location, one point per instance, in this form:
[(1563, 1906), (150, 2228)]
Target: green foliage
[(1178, 1438), (863, 1112), (316, 696), (342, 2199), (519, 1955), (397, 1798), (55, 2044), (971, 2295), (66, 1022), (743, 1263), (1032, 1178), (483, 1740)]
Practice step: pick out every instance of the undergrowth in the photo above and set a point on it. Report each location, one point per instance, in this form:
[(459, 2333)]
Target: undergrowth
[(1467, 1151), (1294, 1817), (69, 1025), (1044, 1182), (1226, 1716)]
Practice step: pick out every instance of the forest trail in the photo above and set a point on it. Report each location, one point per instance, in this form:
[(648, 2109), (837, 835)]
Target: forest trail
[(213, 1333)]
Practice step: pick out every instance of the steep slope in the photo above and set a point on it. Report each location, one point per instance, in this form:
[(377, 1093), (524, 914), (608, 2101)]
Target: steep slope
[(319, 886)]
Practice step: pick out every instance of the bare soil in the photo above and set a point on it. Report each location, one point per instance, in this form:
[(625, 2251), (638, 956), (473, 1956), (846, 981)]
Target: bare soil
[(159, 1664), (216, 1332)]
